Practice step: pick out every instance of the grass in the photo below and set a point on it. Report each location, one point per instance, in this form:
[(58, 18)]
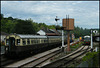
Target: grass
[(75, 46), (92, 57)]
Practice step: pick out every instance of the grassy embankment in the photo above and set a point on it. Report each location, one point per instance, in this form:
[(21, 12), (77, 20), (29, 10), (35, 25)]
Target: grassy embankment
[(92, 58)]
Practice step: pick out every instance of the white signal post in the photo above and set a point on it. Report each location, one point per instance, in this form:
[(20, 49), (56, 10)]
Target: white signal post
[(63, 40), (91, 40), (56, 19)]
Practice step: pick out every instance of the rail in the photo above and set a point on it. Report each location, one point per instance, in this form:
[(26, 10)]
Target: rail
[(59, 62)]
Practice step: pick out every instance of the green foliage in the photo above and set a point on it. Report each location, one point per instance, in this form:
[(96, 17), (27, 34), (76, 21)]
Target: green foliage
[(80, 32), (92, 58), (15, 25), (1, 16), (52, 27), (24, 27), (42, 25), (76, 45), (7, 25), (90, 55)]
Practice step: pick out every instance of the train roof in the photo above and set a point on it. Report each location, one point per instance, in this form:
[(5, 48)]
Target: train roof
[(37, 36), (27, 36), (31, 36)]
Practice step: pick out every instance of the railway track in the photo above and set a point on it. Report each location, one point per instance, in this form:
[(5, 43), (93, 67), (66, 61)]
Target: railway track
[(35, 60), (6, 61), (80, 55), (41, 60), (66, 59), (75, 61), (38, 60)]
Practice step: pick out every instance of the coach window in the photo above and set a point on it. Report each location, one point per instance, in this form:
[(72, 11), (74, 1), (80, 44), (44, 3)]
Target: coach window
[(7, 42), (32, 41), (18, 41), (45, 40), (37, 41), (28, 41), (42, 40), (24, 42)]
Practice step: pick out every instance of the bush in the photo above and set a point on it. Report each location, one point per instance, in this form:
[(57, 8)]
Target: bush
[(92, 56), (89, 55)]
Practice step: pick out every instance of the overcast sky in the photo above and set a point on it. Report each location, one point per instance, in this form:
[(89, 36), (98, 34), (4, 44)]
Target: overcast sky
[(85, 13)]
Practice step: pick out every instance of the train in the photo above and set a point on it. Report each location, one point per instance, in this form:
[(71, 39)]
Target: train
[(22, 45), (87, 40)]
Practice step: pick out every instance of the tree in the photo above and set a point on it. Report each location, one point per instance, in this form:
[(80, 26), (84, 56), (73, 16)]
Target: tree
[(24, 27), (41, 25), (10, 18), (1, 16), (15, 25), (52, 27), (80, 32)]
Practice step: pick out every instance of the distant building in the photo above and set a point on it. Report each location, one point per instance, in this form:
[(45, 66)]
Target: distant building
[(48, 32), (41, 32), (3, 35)]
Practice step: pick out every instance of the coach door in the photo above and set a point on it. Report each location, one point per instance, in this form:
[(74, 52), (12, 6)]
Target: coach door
[(11, 43)]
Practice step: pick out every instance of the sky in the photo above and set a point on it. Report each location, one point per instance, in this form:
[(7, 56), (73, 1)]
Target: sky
[(85, 13)]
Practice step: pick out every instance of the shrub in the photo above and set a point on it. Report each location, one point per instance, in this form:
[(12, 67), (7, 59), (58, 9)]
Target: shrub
[(92, 56)]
